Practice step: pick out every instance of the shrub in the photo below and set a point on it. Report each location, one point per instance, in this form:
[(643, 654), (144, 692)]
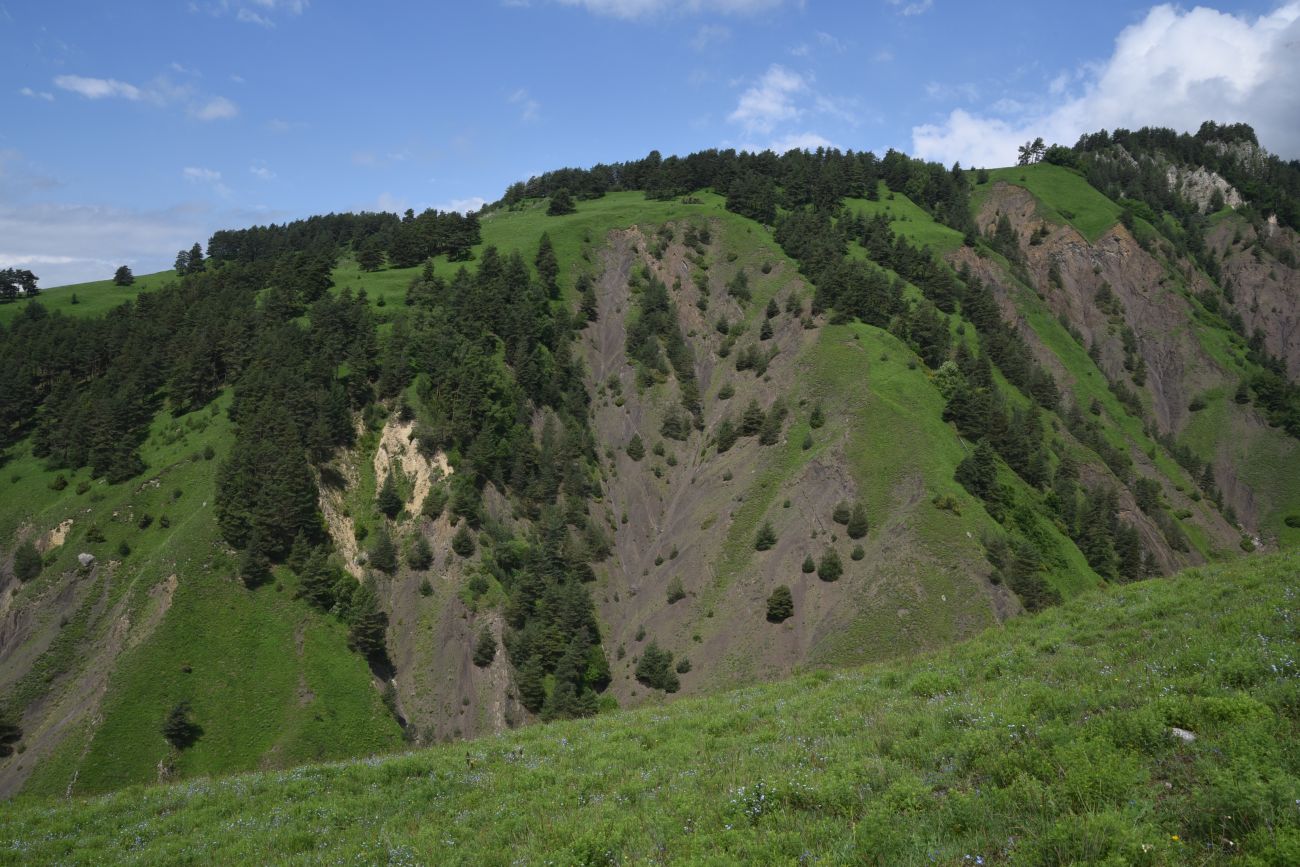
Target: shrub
[(780, 605), (676, 591), (858, 553), (426, 589), (683, 665), (809, 566), (58, 483)]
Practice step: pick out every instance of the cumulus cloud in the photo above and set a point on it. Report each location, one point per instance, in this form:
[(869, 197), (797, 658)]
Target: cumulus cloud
[(36, 94), (629, 9), (99, 88), (467, 205), (770, 101), (216, 108), (804, 141), (1174, 68), (196, 174)]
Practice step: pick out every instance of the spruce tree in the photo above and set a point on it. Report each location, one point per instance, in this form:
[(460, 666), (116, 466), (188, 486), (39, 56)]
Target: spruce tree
[(636, 448), (27, 562), (419, 556), (587, 292), (857, 523), (765, 538), (367, 623), (548, 266), (463, 542), (388, 500), (780, 605), (561, 203), (655, 669), (809, 566), (830, 568), (10, 732), (177, 727), (383, 553), (485, 648), (531, 684), (123, 276)]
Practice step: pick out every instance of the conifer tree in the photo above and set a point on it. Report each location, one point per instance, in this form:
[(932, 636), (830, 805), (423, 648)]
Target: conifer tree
[(548, 266), (367, 623), (123, 276), (636, 448), (383, 553), (809, 566), (27, 562), (485, 648), (388, 500), (463, 542), (830, 567), (419, 556), (561, 203), (177, 727), (780, 605), (531, 684), (857, 523), (10, 732), (766, 537)]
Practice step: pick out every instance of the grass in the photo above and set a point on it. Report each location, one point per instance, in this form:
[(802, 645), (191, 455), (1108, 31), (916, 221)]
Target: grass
[(909, 220), (1049, 741), (93, 299), (271, 681), (1063, 194)]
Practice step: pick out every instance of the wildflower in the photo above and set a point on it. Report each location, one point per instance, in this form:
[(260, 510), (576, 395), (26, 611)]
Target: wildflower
[(1173, 837)]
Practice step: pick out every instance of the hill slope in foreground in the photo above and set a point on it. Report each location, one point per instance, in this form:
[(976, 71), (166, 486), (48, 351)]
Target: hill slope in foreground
[(1153, 723)]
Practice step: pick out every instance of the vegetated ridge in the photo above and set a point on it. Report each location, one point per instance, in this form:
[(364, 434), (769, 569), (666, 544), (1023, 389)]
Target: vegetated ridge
[(657, 428)]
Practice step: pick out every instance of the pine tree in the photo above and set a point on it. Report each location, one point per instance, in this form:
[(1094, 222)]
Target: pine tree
[(655, 670), (772, 308), (434, 502), (765, 330), (561, 203), (766, 537), (485, 648), (195, 262), (857, 523), (383, 553), (548, 266), (978, 471), (367, 623), (842, 512), (388, 501), (463, 542), (419, 556), (177, 727), (830, 568), (676, 592), (530, 681), (27, 562), (123, 276), (726, 435), (587, 292), (817, 418), (780, 605), (809, 566), (10, 732), (636, 448), (254, 568)]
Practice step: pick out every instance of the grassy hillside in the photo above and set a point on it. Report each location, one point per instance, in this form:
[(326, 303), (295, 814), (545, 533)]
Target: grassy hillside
[(93, 299), (1051, 740)]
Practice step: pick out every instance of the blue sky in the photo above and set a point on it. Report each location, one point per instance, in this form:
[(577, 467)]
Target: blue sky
[(133, 129)]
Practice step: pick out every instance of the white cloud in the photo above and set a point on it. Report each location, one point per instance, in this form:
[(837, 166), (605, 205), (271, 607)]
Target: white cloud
[(73, 243), (710, 34), (248, 16), (804, 141), (257, 12), (99, 88), (1174, 68), (216, 108), (261, 172), (530, 109), (911, 7), (629, 9), (464, 206), (195, 174), (37, 94), (769, 102)]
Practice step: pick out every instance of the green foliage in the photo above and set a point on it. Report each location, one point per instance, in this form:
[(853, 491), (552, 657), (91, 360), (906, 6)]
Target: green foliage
[(829, 567), (178, 729), (676, 592), (636, 448), (463, 542), (655, 669), (27, 561), (388, 501), (765, 538), (856, 526), (485, 647), (780, 604), (10, 732), (561, 204), (434, 502), (419, 556), (809, 565), (383, 553)]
